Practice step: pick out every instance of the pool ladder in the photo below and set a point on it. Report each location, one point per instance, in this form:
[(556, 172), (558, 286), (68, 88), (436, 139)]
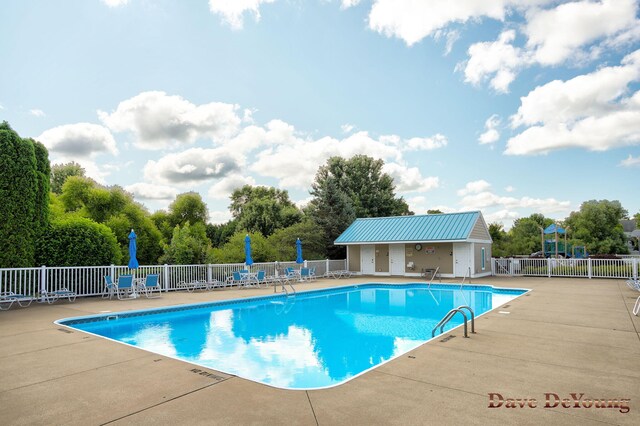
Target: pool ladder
[(451, 314), (284, 288)]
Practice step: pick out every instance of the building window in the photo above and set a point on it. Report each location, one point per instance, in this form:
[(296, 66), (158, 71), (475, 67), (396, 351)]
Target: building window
[(483, 258)]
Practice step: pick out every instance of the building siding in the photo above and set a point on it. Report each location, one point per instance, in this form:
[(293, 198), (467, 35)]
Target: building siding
[(441, 257), (354, 258)]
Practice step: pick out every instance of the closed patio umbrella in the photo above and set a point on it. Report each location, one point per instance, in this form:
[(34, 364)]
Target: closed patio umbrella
[(133, 261), (247, 251), (299, 251)]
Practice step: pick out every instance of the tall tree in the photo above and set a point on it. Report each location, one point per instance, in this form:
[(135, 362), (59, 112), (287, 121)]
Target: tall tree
[(188, 207), (597, 224), (19, 194), (345, 189), (233, 250), (261, 209), (525, 237), (499, 237), (310, 233), (60, 173), (43, 172), (189, 245)]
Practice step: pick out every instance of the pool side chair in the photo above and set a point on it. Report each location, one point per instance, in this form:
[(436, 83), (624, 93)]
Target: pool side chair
[(53, 296), (636, 307), (304, 274), (110, 288), (21, 299), (184, 285), (125, 287), (6, 302), (633, 284), (151, 283), (261, 278)]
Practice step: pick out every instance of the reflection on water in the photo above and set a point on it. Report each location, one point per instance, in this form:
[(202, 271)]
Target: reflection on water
[(306, 342)]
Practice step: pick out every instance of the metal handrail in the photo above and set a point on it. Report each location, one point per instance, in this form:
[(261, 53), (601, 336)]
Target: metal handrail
[(466, 274), (450, 315), (433, 276)]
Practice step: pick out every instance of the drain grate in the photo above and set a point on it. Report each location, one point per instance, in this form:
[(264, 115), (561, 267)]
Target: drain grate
[(446, 339), (505, 306), (64, 330)]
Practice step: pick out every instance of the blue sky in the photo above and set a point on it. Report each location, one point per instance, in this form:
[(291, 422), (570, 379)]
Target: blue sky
[(509, 107)]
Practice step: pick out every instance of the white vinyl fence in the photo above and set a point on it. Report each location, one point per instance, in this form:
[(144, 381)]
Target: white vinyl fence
[(89, 280), (626, 267)]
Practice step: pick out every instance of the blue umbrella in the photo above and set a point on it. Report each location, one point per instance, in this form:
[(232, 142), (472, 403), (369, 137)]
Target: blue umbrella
[(247, 251), (299, 251), (133, 262)]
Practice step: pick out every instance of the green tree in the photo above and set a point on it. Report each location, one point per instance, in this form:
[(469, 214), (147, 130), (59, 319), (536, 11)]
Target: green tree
[(597, 224), (434, 211), (233, 251), (19, 195), (500, 239), (219, 234), (525, 237), (43, 172), (77, 241), (189, 245), (60, 173), (314, 242), (333, 211), (263, 210), (116, 208), (188, 207)]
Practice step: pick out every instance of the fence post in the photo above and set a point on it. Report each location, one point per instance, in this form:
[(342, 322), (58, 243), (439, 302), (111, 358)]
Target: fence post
[(166, 277), (589, 273), (549, 267), (493, 267), (635, 268), (327, 268), (43, 282), (209, 273)]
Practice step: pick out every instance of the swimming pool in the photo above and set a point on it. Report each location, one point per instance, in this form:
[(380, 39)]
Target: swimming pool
[(316, 339)]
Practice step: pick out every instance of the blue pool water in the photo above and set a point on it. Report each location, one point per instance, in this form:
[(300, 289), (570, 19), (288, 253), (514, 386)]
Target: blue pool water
[(313, 340)]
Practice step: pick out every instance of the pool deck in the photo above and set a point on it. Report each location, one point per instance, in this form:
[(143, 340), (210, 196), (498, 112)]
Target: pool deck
[(566, 336)]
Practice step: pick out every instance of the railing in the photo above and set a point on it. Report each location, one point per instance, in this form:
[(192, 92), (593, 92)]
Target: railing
[(577, 268), (89, 280), (451, 314)]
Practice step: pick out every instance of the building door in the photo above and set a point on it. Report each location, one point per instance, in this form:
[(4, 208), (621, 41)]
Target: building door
[(461, 259), (367, 260), (396, 259)]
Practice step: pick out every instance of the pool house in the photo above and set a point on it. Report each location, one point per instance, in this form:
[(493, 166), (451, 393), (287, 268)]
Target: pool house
[(454, 244)]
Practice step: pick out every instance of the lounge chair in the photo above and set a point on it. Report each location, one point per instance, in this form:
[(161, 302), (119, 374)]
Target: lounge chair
[(110, 288), (149, 285), (53, 296), (305, 274), (125, 287), (9, 297)]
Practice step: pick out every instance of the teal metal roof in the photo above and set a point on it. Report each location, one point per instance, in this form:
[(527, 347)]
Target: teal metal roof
[(424, 228)]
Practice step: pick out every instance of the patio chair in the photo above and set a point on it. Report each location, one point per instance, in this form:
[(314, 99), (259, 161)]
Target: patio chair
[(304, 274), (261, 278), (636, 307), (149, 285), (53, 296), (10, 297), (312, 274), (110, 288), (184, 285), (125, 287)]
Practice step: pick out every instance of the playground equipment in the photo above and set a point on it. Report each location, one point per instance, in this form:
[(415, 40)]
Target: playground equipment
[(559, 248)]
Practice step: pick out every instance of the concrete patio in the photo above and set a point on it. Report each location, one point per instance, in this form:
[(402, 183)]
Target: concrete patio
[(566, 336)]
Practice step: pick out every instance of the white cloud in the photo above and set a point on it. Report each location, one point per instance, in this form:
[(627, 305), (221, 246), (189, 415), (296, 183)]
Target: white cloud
[(149, 191), (412, 20), (503, 216), (37, 112), (225, 186), (509, 188), (557, 34), (491, 134), (589, 111), (425, 144), (630, 161), (160, 120), (347, 128), (474, 187), (499, 60), (195, 165), (218, 217), (486, 199), (232, 11), (115, 3), (349, 3), (410, 179), (80, 140)]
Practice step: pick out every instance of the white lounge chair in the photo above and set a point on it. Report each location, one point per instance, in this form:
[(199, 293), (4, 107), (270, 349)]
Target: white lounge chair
[(9, 297), (53, 296)]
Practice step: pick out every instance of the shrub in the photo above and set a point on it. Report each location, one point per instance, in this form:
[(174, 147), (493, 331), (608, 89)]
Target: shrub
[(77, 241)]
